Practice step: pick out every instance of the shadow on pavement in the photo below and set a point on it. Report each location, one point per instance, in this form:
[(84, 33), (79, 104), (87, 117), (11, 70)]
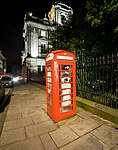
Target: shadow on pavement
[(5, 103), (3, 106)]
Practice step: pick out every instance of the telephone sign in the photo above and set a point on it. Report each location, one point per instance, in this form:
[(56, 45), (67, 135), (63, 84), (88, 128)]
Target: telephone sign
[(60, 84)]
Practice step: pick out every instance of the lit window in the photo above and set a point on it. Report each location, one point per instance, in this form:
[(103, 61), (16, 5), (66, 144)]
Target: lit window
[(43, 33)]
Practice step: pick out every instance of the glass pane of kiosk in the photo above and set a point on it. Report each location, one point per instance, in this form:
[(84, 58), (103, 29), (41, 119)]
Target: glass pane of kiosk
[(65, 88), (49, 80)]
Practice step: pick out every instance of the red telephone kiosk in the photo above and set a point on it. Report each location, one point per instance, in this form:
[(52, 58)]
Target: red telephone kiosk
[(60, 84)]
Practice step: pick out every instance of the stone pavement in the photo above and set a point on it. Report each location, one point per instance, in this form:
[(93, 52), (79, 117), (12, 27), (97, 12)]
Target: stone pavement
[(28, 127)]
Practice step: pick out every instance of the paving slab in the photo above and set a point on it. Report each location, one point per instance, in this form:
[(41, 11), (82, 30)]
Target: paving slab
[(14, 124), (11, 136), (48, 142), (63, 136), (15, 116), (28, 144), (85, 126), (87, 142), (32, 111), (40, 118), (16, 105), (107, 134), (40, 128)]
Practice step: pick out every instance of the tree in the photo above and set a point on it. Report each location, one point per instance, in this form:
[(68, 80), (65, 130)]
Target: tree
[(102, 18), (93, 28)]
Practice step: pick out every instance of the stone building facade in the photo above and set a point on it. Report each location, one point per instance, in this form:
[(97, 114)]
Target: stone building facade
[(36, 33)]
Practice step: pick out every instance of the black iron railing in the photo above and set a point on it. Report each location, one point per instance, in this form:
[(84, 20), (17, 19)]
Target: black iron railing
[(97, 79)]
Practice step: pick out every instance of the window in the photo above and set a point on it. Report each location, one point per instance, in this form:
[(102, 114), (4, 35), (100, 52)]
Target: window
[(43, 33), (63, 18), (43, 69), (39, 69), (43, 48)]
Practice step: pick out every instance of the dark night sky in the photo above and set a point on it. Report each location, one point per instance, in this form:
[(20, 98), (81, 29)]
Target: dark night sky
[(11, 25)]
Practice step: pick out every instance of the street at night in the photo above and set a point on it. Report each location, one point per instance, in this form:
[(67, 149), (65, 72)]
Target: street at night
[(59, 75)]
